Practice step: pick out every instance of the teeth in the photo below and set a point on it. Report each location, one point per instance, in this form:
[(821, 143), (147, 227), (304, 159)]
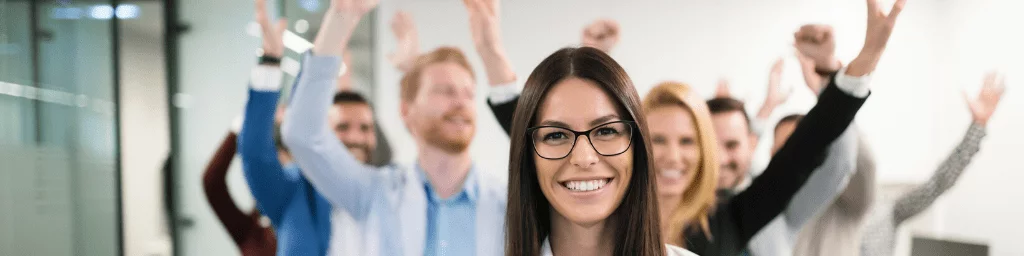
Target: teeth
[(583, 186), (672, 173)]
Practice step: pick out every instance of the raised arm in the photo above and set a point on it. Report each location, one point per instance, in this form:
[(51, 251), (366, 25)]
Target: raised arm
[(859, 195), (485, 26), (324, 161), (404, 57), (773, 98), (922, 196), (816, 46), (215, 185), (825, 184), (268, 182), (789, 169)]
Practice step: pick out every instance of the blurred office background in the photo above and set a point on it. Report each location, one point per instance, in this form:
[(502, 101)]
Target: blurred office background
[(109, 110)]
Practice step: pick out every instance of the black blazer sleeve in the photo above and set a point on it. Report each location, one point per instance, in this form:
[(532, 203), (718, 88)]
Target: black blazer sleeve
[(503, 112), (770, 193)]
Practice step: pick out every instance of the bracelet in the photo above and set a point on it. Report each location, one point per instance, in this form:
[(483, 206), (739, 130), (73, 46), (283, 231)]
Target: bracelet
[(269, 60)]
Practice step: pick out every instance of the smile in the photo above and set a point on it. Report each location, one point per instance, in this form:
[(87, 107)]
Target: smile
[(671, 173), (458, 120), (585, 185)]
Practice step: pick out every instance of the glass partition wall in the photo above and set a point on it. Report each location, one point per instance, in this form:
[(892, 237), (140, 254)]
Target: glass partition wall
[(58, 128)]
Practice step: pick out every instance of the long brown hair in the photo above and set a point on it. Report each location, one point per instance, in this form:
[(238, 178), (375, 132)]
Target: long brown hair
[(528, 220), (698, 200)]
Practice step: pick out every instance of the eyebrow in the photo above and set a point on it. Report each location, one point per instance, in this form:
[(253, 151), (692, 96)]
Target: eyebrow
[(595, 122)]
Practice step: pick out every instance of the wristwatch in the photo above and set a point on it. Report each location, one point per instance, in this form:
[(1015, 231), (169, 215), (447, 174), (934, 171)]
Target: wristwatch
[(270, 60)]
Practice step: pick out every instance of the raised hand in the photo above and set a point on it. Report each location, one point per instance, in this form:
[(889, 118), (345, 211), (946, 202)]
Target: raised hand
[(484, 23), (339, 21), (775, 96), (880, 26), (273, 44), (817, 42), (408, 42), (602, 34), (811, 76), (722, 90), (988, 98)]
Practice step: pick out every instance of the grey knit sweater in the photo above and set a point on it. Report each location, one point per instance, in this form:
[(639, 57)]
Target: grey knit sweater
[(879, 237)]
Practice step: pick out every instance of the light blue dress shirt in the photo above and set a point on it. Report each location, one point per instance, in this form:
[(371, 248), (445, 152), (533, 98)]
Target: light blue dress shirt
[(396, 204), (451, 221)]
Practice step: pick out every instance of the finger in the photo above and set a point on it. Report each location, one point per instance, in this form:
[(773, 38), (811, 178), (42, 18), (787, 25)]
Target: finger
[(897, 8), (261, 13), (396, 23), (820, 36), (873, 6), (261, 6), (990, 79), (591, 30), (613, 26), (777, 66), (806, 28), (282, 25), (470, 5), (785, 93), (490, 7), (723, 88), (970, 102)]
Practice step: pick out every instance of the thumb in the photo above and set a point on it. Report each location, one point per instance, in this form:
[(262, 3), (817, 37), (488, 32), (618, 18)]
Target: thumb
[(971, 104), (282, 25)]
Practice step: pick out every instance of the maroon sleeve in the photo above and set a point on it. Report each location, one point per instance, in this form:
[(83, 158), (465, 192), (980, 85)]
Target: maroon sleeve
[(216, 188)]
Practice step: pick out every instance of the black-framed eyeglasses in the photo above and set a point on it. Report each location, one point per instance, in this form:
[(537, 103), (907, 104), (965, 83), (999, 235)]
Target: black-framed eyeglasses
[(608, 139)]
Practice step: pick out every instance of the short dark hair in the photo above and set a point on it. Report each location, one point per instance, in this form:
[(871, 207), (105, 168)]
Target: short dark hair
[(349, 97), (721, 105), (790, 118)]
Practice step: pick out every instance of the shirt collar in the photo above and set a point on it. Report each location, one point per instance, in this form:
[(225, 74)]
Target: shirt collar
[(469, 191), (291, 166), (545, 249)]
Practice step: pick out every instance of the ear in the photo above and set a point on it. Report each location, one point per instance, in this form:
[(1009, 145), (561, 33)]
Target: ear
[(405, 110)]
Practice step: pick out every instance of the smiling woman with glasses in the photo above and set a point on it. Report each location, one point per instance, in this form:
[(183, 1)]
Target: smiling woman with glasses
[(580, 181)]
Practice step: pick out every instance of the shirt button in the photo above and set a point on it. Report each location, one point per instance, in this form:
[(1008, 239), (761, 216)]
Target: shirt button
[(444, 243)]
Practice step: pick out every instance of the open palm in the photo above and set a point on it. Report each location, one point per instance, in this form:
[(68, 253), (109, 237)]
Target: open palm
[(408, 41), (988, 98), (484, 22), (273, 45)]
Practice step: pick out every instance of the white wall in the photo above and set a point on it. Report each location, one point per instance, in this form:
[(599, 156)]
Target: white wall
[(914, 117), (985, 34), (145, 140), (215, 57)]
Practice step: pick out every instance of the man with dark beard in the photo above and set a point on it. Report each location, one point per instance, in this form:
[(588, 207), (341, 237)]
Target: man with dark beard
[(351, 119)]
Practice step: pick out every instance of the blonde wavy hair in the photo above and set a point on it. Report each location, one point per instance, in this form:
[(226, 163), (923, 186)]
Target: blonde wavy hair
[(698, 200)]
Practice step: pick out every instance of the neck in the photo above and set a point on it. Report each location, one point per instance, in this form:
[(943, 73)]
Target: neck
[(283, 157), (446, 171), (666, 206), (569, 238)]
